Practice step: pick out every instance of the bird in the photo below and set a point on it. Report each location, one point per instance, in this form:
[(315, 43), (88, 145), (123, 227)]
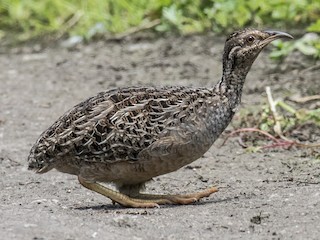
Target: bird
[(127, 136)]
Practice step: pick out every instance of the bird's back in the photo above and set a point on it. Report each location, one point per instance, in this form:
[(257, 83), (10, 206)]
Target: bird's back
[(117, 125)]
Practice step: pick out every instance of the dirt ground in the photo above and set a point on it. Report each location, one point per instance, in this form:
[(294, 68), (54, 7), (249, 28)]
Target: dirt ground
[(274, 194)]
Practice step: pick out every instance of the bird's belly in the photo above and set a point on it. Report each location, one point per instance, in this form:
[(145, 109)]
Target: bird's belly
[(166, 155), (158, 164), (143, 169)]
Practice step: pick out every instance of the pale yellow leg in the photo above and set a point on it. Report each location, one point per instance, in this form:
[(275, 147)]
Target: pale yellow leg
[(179, 199), (145, 200), (115, 196)]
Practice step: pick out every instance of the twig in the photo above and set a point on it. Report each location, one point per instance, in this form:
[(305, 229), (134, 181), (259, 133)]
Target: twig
[(283, 141), (277, 126), (69, 24), (306, 145), (277, 142), (280, 144), (286, 107), (315, 67), (276, 117), (305, 99), (250, 130), (242, 144), (142, 27)]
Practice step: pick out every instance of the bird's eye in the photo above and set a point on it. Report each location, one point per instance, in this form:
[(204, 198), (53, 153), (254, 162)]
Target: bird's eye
[(250, 39)]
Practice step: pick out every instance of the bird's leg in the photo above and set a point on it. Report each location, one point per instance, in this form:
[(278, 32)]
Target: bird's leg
[(118, 197), (177, 199), (141, 200)]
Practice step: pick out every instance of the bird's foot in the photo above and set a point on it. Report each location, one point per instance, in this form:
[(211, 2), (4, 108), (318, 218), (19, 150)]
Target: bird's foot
[(142, 200), (176, 199)]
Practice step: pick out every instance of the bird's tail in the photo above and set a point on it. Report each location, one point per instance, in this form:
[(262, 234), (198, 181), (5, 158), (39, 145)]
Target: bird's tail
[(37, 162)]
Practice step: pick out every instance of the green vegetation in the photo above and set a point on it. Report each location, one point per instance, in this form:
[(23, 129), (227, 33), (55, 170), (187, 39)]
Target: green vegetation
[(282, 124), (309, 45), (22, 20), (36, 18), (289, 119), (33, 18)]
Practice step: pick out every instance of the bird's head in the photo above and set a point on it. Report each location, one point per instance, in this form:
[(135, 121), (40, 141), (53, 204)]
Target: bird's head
[(243, 47)]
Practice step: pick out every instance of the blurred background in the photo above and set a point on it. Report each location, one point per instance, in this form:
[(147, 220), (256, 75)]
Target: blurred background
[(84, 20)]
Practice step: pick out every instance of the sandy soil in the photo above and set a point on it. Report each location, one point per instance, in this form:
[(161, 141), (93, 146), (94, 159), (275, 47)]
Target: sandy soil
[(274, 194)]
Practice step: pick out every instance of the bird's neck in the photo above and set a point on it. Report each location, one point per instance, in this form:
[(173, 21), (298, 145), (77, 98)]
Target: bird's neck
[(232, 81)]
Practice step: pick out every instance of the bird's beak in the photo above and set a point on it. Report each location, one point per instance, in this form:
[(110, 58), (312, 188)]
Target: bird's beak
[(273, 35)]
